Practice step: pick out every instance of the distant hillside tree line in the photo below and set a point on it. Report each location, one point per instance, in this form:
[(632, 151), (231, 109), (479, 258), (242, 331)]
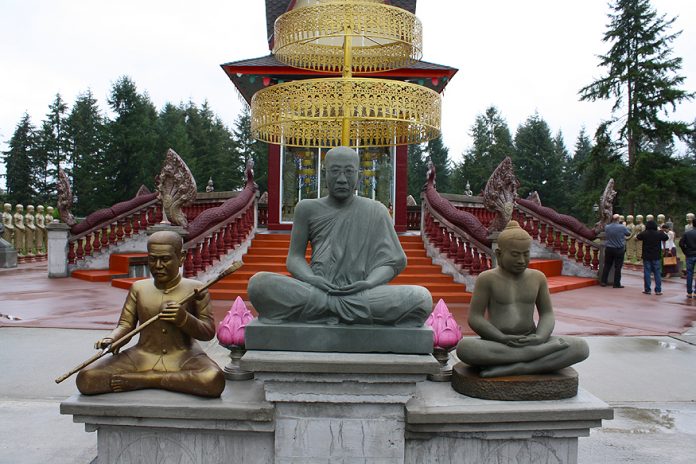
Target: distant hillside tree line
[(108, 157)]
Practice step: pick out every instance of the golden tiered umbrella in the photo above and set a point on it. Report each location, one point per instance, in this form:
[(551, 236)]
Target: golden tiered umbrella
[(347, 36)]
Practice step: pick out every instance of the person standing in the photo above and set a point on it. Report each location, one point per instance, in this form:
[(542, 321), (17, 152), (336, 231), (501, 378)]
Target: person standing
[(688, 245), (614, 250), (670, 249), (652, 239)]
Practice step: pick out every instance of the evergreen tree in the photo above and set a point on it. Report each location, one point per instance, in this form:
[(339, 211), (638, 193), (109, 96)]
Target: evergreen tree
[(439, 155), (213, 153), (19, 168), (86, 138), (250, 148), (576, 175), (51, 150), (172, 132), (132, 149), (642, 77), (561, 156), (416, 171), (537, 162), (603, 162), (492, 143)]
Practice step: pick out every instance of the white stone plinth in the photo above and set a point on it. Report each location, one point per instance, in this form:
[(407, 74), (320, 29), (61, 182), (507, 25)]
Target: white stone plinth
[(339, 407), (444, 426), (153, 426), (57, 241)]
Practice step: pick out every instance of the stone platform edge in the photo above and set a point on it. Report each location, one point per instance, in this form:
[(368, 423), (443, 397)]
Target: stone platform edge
[(338, 338), (339, 363)]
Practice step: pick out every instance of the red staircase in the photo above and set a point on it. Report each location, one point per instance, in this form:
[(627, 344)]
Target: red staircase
[(269, 251), (552, 269), (119, 265)]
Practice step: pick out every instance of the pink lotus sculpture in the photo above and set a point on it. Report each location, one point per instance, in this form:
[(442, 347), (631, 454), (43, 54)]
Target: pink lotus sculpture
[(230, 332), (446, 332)]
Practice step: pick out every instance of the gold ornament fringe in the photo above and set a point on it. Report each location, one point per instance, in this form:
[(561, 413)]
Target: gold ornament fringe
[(311, 113), (382, 37)]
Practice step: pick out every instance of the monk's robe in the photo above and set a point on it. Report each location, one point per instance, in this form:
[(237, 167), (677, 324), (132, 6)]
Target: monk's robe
[(347, 245)]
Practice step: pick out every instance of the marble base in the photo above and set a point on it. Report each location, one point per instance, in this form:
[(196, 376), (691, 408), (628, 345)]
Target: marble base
[(554, 386), (339, 407), (336, 408), (160, 426), (8, 255), (338, 338), (445, 426)]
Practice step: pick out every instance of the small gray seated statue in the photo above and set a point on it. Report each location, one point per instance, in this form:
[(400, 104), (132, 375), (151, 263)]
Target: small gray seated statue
[(355, 253), (511, 343)]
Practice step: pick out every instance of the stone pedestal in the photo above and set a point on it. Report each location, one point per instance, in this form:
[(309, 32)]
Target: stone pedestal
[(8, 255), (444, 426), (152, 426), (553, 386), (339, 338), (58, 234), (309, 408), (337, 407)]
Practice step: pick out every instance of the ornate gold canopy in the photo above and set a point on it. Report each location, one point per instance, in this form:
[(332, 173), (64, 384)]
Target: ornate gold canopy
[(382, 37), (362, 36), (310, 113)]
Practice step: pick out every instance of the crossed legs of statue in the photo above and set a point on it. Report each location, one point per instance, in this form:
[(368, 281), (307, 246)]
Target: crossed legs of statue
[(124, 372), (497, 360), (278, 298)]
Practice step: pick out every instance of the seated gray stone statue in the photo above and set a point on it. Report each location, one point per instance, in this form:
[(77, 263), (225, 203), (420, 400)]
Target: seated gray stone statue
[(511, 343), (355, 253)]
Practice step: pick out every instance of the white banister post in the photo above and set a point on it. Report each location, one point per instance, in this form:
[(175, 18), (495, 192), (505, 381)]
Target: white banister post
[(58, 234)]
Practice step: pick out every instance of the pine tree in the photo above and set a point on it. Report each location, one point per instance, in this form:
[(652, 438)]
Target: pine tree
[(416, 171), (19, 168), (51, 150), (250, 148), (439, 155), (537, 163), (642, 76), (86, 138), (171, 131), (213, 154), (132, 154), (603, 162), (492, 143)]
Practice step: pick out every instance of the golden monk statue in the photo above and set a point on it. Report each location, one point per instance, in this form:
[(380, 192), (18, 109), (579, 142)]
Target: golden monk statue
[(630, 240), (355, 253), (49, 215), (30, 231), (19, 230), (8, 226), (41, 234), (166, 355), (640, 227), (511, 343)]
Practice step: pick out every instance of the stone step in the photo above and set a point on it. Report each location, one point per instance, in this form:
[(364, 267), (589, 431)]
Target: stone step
[(98, 275), (119, 267), (550, 267)]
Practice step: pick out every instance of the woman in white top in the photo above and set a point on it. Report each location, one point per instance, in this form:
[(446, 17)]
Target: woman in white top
[(669, 249)]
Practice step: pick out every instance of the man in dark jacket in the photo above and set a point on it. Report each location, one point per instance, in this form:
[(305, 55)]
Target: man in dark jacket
[(688, 245), (614, 250), (652, 238)]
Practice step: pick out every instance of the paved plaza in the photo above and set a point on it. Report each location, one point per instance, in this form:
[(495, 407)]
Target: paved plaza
[(642, 362)]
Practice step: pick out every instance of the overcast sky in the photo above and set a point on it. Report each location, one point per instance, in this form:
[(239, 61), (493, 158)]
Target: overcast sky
[(521, 56)]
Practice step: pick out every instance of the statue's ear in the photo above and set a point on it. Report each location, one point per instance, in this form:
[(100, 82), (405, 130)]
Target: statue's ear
[(498, 253)]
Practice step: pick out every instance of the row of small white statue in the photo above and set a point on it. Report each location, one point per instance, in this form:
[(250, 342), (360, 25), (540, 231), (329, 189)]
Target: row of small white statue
[(26, 231)]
